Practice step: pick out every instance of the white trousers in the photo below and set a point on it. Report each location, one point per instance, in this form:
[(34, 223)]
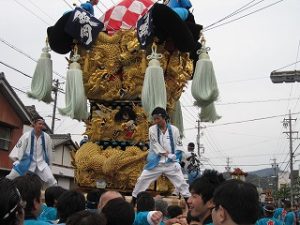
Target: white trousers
[(45, 175), (170, 170)]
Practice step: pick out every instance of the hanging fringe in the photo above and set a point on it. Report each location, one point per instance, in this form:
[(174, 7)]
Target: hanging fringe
[(177, 118), (208, 113), (154, 90), (76, 105), (41, 84), (204, 85)]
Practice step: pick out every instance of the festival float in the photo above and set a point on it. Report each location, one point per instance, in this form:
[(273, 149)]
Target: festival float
[(137, 56)]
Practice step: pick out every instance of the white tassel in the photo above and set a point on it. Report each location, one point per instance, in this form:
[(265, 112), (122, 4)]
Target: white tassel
[(41, 84), (208, 113), (204, 85), (177, 118), (154, 89), (76, 103)]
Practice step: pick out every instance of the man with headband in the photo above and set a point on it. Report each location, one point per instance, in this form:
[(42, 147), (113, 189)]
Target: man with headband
[(165, 151), (33, 153)]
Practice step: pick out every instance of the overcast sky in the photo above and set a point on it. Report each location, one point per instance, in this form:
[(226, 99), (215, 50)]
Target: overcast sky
[(244, 53)]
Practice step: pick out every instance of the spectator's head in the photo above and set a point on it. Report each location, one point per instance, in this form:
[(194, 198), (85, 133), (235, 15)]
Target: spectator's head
[(202, 189), (11, 204), (287, 204), (200, 203), (236, 202), (30, 186), (69, 203), (174, 211), (107, 196), (269, 210), (161, 205), (144, 202), (93, 197), (117, 211), (86, 217), (191, 146), (52, 194)]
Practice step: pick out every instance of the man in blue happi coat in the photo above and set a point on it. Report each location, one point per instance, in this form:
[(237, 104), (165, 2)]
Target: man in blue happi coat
[(33, 153), (165, 152)]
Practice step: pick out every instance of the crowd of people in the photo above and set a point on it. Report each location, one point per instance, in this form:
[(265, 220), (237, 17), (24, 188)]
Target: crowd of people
[(208, 197), (213, 200)]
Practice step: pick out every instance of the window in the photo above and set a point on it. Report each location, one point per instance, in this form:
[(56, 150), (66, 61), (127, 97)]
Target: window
[(5, 133)]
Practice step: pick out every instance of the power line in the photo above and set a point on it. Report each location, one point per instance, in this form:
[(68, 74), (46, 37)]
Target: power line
[(19, 90), (30, 11), (246, 121), (287, 65), (255, 11), (41, 10), (239, 10), (25, 54), (68, 4), (238, 165), (19, 71), (247, 102)]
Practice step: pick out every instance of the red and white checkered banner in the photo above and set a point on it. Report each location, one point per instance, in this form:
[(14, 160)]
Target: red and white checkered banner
[(125, 15)]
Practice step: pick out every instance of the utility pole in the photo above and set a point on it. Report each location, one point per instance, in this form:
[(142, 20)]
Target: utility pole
[(198, 140), (275, 176), (198, 137), (228, 167), (55, 90), (288, 123)]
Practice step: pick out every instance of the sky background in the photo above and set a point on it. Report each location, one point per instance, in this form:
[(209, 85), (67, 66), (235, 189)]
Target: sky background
[(244, 52)]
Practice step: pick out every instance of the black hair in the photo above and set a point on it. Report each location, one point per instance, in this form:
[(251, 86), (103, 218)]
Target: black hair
[(144, 202), (69, 203), (240, 199), (191, 145), (117, 211), (9, 202), (269, 210), (30, 187), (287, 204), (52, 194), (160, 111), (86, 217), (174, 211), (206, 184), (36, 118), (161, 205), (93, 197)]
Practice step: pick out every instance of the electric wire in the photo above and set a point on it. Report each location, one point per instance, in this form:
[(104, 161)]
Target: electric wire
[(19, 71), (239, 10), (68, 4), (255, 11), (30, 11), (246, 121), (287, 65), (248, 102), (25, 54), (26, 75), (46, 14)]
